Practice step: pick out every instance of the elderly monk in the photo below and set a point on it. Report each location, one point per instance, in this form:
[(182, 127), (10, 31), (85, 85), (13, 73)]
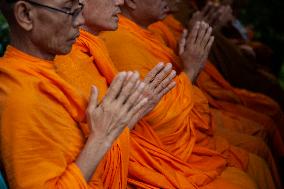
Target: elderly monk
[(151, 164), (182, 120), (224, 97), (46, 139)]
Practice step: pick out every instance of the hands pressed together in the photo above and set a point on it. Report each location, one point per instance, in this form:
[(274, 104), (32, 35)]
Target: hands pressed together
[(196, 41), (127, 100), (195, 47)]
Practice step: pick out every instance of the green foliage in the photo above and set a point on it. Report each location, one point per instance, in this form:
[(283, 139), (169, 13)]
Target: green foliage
[(4, 34)]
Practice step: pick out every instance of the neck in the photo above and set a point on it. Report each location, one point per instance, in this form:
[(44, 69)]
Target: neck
[(140, 22), (90, 30), (25, 45)]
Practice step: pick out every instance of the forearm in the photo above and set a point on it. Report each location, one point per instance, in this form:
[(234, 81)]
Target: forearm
[(91, 155)]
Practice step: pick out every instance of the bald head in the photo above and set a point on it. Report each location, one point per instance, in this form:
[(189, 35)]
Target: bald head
[(145, 12), (43, 28)]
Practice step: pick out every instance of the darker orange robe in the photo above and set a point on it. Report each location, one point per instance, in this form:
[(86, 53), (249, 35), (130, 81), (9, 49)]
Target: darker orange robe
[(151, 165), (182, 119), (229, 100), (43, 129), (221, 95)]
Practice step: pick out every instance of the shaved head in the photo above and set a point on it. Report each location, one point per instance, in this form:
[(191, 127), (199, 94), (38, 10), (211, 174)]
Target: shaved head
[(41, 31)]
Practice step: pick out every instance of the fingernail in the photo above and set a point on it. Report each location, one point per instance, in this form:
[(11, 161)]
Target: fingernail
[(169, 66), (161, 64), (142, 85), (94, 89), (136, 75), (129, 74)]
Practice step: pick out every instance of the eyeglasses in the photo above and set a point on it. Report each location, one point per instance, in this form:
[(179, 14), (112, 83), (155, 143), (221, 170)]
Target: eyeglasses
[(74, 13)]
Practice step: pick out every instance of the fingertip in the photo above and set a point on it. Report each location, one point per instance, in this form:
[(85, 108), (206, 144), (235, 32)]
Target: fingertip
[(169, 65), (136, 75), (122, 74), (142, 85), (160, 64), (94, 89)]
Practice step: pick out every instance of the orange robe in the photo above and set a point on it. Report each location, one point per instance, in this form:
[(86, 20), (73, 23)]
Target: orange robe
[(232, 102), (43, 129), (222, 96), (151, 165), (182, 119), (255, 101)]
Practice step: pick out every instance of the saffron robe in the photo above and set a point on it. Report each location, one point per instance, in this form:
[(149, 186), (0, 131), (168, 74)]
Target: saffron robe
[(151, 165), (43, 129), (182, 119), (231, 101)]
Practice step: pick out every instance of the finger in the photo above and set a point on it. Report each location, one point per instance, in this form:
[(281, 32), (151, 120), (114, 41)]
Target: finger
[(167, 89), (209, 45), (162, 75), (128, 88), (116, 86), (193, 34), (137, 107), (206, 37), (207, 8), (164, 84), (93, 100), (134, 97), (196, 17), (182, 43), (152, 74), (201, 32), (210, 15)]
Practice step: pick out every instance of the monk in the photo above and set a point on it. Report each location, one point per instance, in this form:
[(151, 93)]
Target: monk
[(51, 135), (231, 63), (151, 165), (224, 97), (180, 128)]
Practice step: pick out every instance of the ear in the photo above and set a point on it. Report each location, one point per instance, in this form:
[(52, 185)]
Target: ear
[(132, 4), (23, 15)]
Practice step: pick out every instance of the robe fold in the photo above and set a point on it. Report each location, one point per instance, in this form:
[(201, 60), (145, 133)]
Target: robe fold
[(43, 129), (244, 106), (182, 120), (150, 165)]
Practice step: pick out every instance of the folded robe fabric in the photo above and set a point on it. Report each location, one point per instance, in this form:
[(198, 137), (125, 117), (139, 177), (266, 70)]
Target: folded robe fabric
[(43, 129), (222, 96), (151, 165), (182, 119)]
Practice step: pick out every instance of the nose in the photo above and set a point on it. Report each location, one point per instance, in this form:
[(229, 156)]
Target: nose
[(119, 2), (79, 20)]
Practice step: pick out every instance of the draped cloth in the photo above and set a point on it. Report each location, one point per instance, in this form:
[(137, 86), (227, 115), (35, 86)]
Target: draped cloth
[(150, 165), (233, 101), (43, 129), (182, 120), (221, 95)]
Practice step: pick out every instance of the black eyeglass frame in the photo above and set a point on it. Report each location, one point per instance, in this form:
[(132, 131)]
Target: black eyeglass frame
[(72, 13)]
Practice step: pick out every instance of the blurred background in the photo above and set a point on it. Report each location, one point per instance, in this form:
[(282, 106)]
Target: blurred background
[(262, 16)]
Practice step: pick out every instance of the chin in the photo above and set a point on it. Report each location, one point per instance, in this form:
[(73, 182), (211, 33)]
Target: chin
[(111, 27), (64, 50)]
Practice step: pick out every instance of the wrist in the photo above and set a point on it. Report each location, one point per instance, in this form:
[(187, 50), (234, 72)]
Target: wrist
[(99, 142), (190, 73)]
